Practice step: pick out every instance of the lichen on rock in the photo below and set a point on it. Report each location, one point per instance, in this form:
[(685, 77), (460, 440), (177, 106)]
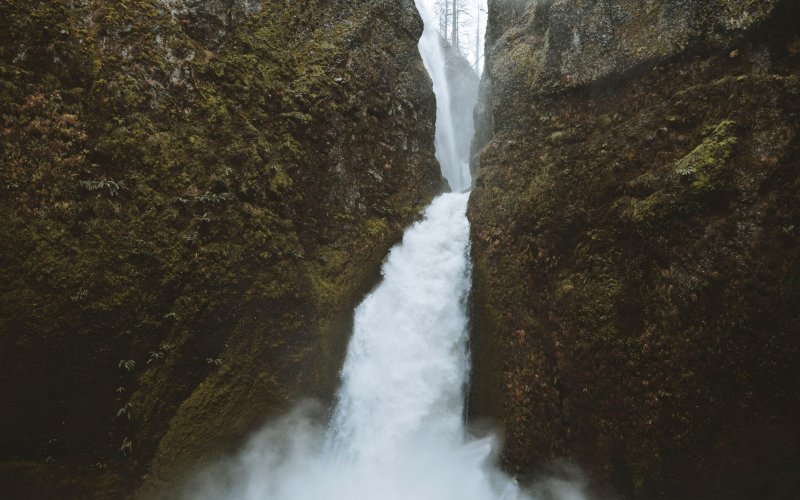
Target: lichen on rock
[(706, 161)]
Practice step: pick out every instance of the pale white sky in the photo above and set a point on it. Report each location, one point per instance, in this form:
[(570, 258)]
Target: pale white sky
[(469, 31)]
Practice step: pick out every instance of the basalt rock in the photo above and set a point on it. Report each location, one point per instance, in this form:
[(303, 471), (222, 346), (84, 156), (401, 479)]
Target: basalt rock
[(635, 239), (210, 20), (194, 197)]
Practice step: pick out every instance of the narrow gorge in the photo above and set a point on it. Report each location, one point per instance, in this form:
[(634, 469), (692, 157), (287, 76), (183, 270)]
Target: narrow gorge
[(396, 249), (397, 428)]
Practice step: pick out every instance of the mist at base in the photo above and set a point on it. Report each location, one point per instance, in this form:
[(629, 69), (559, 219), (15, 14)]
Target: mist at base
[(286, 461), (397, 431)]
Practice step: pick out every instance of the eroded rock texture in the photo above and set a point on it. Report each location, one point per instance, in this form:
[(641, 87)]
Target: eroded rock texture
[(194, 196), (636, 235)]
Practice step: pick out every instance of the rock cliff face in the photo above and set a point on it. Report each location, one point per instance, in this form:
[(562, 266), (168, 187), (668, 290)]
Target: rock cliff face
[(637, 245), (195, 194)]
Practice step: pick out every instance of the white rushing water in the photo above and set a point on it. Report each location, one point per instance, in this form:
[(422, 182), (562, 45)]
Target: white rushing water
[(403, 379), (452, 139), (397, 431)]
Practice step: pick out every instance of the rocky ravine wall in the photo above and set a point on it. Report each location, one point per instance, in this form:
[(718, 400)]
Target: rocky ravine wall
[(636, 236), (194, 196)]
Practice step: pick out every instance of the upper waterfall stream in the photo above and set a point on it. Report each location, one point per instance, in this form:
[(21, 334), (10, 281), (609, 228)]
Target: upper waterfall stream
[(397, 431), (452, 139)]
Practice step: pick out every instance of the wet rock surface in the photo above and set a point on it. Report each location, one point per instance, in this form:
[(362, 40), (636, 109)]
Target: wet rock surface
[(195, 195), (635, 244)]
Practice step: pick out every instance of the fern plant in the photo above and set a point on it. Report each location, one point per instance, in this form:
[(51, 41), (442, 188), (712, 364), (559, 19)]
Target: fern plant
[(155, 356), (127, 447), (127, 364), (125, 411)]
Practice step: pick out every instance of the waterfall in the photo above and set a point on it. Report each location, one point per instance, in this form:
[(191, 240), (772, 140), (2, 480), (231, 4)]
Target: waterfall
[(403, 379), (397, 430)]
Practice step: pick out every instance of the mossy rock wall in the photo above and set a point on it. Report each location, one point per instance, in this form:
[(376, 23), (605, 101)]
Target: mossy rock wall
[(195, 195), (636, 244)]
